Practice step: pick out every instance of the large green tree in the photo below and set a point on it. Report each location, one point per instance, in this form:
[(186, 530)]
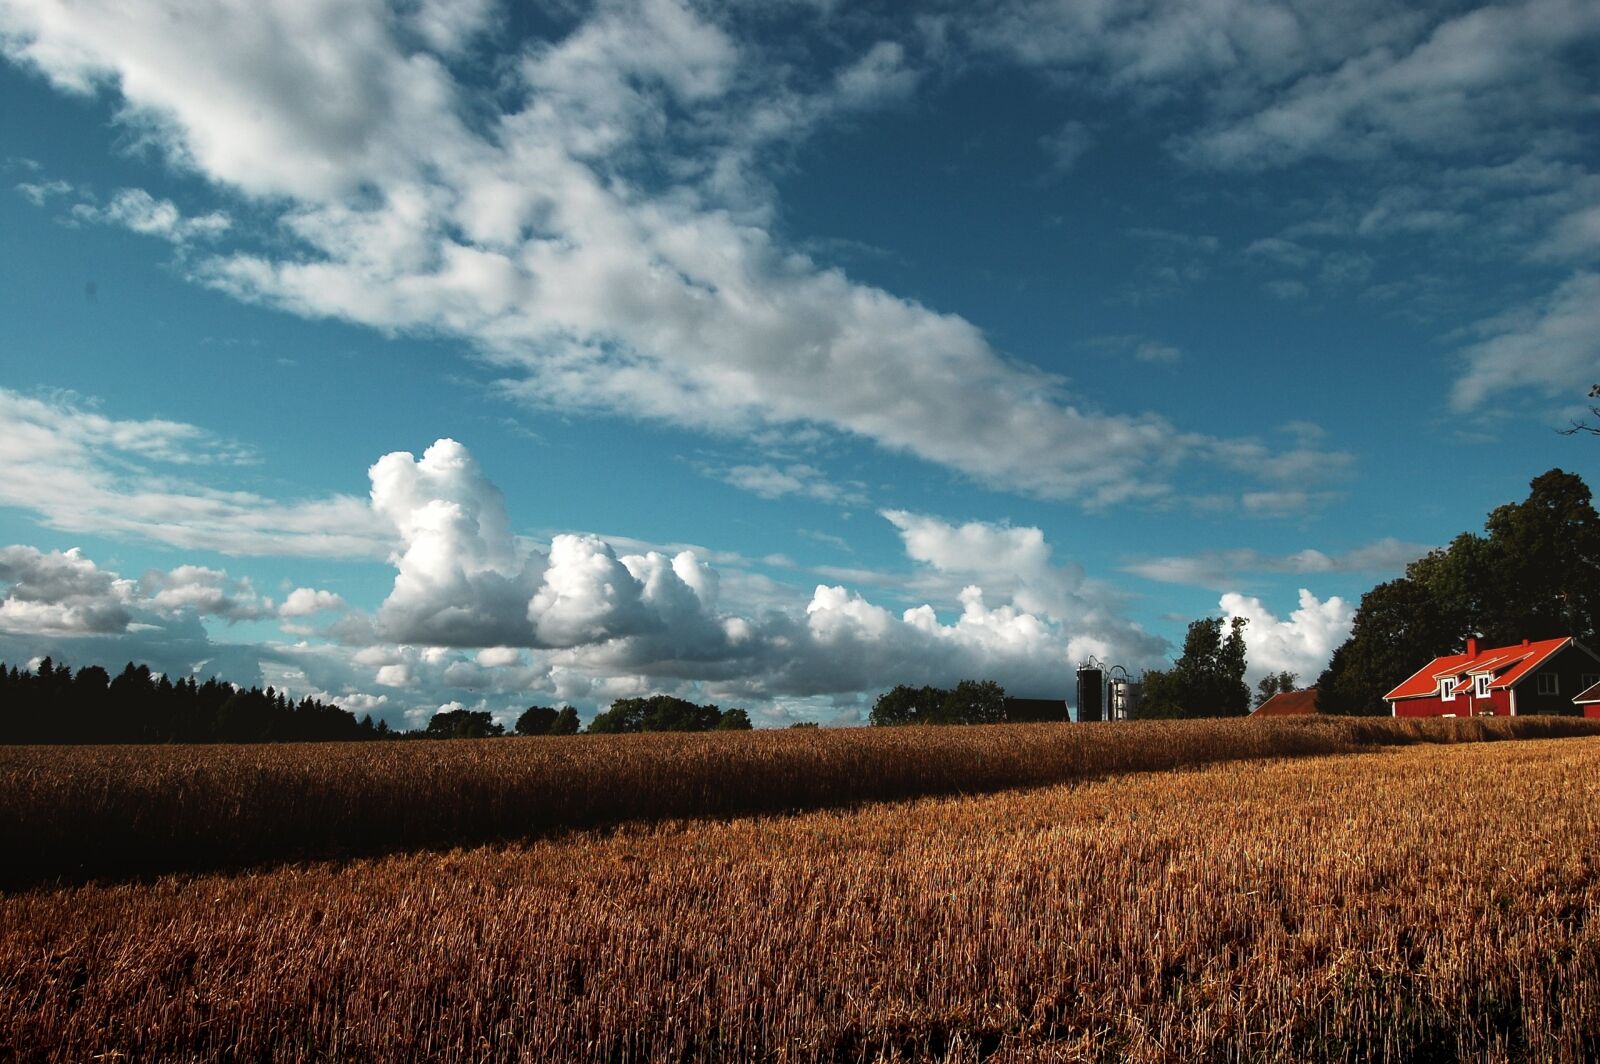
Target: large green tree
[(547, 720), (903, 704), (463, 724), (1533, 574), (666, 713), (970, 702), (1207, 680)]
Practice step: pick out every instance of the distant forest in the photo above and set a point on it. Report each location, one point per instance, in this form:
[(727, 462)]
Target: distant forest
[(55, 705), (52, 704)]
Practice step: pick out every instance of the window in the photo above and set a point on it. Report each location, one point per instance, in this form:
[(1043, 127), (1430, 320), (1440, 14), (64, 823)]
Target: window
[(1447, 688), (1588, 681), (1482, 688), (1549, 683)]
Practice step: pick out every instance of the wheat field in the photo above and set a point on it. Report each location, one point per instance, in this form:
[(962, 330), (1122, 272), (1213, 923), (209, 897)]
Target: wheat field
[(1427, 902), (84, 812)]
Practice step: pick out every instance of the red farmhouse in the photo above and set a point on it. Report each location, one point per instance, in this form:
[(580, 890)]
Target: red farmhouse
[(1539, 677)]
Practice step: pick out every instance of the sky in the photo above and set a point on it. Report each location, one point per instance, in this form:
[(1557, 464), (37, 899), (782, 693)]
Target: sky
[(460, 354)]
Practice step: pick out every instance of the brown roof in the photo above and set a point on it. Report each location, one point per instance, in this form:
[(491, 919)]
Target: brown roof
[(1587, 697), (1289, 704)]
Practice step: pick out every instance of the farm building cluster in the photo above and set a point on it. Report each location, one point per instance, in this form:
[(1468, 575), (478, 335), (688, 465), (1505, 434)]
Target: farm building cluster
[(1546, 677)]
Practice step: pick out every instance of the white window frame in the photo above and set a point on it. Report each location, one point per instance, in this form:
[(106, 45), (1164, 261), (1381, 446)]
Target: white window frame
[(1553, 687), (1480, 684), (1447, 688)]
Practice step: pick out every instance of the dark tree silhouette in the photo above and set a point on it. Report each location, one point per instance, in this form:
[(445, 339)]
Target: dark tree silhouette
[(463, 724), (970, 702), (52, 705), (666, 713), (907, 705), (536, 720), (547, 720)]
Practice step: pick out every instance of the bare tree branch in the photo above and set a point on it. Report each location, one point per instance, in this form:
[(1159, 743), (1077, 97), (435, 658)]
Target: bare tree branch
[(1583, 426)]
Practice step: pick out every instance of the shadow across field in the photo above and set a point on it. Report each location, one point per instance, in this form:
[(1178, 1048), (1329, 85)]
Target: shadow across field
[(79, 813)]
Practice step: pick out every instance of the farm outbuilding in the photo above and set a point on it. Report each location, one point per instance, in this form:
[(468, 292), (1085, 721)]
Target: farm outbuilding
[(1533, 677), (1588, 701), (1288, 704), (1026, 710)]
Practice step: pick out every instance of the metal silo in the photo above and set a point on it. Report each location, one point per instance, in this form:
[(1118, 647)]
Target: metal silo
[(1091, 691), (1122, 698)]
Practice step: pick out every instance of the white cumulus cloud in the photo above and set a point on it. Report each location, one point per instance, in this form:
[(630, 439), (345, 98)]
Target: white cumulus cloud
[(464, 581), (60, 593), (1301, 643), (205, 591), (305, 601)]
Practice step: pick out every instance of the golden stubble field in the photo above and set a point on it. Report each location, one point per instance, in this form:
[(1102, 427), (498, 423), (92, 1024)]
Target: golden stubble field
[(111, 811), (1421, 903)]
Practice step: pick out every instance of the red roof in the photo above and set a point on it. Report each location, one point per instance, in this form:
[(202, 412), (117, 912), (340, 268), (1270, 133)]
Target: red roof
[(1507, 666), (1586, 697), (1288, 704)]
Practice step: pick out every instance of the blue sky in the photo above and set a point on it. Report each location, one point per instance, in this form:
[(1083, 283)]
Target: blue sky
[(769, 354)]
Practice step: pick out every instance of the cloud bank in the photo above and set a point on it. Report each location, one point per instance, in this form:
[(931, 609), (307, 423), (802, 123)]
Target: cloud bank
[(473, 608), (463, 580), (477, 612)]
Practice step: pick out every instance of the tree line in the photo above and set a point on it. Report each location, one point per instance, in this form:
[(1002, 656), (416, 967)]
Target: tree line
[(53, 704), (666, 713)]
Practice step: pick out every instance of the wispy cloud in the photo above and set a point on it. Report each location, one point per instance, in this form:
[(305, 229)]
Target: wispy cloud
[(1063, 147), (1138, 348), (1552, 344), (82, 471), (40, 193), (772, 481), (137, 210), (1224, 569)]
